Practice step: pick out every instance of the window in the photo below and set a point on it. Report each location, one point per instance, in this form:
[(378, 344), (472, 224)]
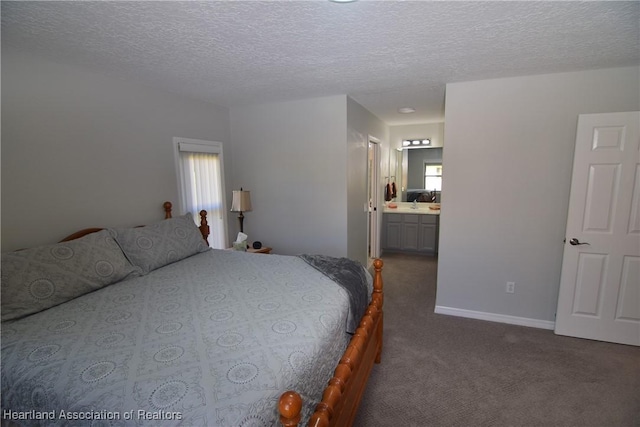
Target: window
[(199, 166), (433, 177)]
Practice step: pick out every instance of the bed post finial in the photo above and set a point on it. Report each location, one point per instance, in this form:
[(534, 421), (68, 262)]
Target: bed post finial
[(167, 210), (377, 279), (289, 407), (204, 226)]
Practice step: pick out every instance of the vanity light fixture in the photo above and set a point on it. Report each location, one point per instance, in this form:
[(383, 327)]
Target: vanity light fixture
[(416, 143)]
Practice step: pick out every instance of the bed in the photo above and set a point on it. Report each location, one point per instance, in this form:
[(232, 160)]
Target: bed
[(422, 196), (152, 327)]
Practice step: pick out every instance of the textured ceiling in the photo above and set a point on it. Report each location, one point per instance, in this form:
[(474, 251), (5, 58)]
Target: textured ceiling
[(384, 54)]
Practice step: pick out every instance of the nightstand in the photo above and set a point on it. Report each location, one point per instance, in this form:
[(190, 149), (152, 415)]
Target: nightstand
[(262, 250)]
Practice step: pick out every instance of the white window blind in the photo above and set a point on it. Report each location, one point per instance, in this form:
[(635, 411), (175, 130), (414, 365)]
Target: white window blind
[(200, 176)]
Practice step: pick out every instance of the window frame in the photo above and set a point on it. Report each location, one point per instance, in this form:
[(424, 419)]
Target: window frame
[(199, 146), (424, 174)]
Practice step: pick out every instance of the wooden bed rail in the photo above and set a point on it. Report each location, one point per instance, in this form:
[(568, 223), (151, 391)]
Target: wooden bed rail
[(341, 398)]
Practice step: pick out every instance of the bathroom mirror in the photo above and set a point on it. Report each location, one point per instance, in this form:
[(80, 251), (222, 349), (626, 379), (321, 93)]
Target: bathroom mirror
[(408, 164), (423, 165)]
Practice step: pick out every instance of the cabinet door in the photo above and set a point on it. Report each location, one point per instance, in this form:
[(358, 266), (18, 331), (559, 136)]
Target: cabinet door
[(429, 219), (428, 237), (410, 232), (393, 235), (410, 236)]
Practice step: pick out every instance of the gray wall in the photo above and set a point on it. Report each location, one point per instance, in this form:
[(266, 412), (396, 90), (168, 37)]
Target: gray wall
[(507, 175), (82, 150), (362, 124), (305, 164), (292, 156)]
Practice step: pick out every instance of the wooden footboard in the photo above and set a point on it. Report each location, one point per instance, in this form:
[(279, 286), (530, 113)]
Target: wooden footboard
[(341, 398)]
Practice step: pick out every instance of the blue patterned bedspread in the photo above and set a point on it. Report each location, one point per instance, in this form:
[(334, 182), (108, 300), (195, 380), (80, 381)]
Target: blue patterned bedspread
[(212, 340)]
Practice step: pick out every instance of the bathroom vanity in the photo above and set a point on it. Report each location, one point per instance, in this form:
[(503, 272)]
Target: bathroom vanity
[(411, 228)]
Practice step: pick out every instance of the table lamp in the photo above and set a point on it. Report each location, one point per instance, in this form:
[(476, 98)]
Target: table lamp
[(241, 203)]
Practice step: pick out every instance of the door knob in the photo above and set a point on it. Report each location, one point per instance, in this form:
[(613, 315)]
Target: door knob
[(576, 242)]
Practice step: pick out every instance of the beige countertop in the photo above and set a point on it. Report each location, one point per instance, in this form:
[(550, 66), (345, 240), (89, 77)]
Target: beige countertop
[(407, 208)]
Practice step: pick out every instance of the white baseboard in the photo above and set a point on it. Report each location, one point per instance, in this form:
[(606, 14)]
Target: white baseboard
[(493, 317)]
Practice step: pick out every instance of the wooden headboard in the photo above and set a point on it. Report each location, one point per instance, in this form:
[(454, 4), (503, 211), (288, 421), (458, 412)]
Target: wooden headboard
[(167, 206)]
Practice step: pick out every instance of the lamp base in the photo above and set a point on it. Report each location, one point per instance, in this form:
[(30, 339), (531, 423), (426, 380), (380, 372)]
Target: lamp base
[(241, 219)]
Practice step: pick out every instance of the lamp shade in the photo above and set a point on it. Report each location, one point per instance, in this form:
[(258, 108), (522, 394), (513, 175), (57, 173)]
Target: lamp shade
[(241, 201)]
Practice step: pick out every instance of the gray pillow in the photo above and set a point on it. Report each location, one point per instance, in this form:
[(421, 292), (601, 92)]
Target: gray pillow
[(38, 278), (162, 243)]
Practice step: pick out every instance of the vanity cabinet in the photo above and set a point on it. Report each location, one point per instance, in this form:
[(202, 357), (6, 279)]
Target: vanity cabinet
[(410, 233)]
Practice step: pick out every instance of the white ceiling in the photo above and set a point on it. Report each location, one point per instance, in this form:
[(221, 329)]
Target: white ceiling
[(384, 54)]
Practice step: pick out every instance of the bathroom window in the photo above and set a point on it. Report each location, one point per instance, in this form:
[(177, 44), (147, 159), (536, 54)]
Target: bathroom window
[(433, 177)]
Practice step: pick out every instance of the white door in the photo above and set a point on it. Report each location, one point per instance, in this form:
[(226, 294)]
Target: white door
[(600, 284)]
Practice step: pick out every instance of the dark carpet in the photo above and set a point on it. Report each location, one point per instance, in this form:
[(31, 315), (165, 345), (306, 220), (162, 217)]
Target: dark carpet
[(440, 370)]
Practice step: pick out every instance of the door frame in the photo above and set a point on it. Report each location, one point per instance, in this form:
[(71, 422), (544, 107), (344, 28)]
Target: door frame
[(374, 191)]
